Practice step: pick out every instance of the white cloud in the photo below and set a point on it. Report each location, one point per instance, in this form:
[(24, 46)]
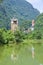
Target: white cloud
[(37, 4)]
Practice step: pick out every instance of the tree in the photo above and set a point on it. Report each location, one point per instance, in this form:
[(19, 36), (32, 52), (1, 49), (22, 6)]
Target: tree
[(26, 24)]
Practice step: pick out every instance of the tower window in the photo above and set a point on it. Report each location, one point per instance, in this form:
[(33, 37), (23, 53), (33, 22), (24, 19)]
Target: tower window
[(15, 22)]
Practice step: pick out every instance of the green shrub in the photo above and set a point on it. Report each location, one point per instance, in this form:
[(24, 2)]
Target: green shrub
[(35, 35), (19, 36), (6, 36)]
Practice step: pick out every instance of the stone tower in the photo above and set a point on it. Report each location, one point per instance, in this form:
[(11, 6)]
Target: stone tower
[(33, 23), (14, 24)]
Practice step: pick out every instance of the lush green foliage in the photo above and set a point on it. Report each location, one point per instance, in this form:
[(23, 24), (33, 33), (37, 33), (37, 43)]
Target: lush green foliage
[(39, 23), (35, 35), (25, 24), (6, 36), (19, 36)]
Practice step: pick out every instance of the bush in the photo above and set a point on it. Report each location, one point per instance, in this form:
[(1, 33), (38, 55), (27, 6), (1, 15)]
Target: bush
[(6, 36), (19, 36), (35, 35)]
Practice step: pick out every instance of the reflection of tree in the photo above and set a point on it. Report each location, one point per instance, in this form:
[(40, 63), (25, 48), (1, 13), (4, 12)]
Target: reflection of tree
[(1, 52)]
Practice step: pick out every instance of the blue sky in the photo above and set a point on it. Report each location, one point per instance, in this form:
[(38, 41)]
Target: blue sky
[(38, 4)]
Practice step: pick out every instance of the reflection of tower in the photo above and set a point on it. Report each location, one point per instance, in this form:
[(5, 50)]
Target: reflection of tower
[(14, 24)]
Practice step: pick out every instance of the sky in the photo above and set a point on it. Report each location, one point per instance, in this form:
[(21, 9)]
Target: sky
[(38, 4)]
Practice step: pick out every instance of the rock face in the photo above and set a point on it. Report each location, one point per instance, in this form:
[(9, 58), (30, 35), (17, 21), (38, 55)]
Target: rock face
[(20, 9)]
